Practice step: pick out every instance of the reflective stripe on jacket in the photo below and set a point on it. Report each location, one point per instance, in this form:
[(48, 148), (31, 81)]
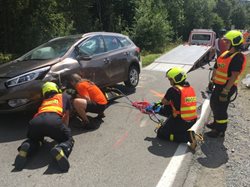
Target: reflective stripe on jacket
[(188, 104), (53, 104), (221, 73)]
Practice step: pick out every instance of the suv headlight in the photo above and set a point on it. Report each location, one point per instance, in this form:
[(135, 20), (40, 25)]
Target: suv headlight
[(24, 78)]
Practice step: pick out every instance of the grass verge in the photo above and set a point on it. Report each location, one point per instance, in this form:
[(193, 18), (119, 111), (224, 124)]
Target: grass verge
[(148, 58)]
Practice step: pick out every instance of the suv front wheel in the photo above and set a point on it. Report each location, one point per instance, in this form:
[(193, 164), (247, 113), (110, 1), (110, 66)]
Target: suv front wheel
[(133, 77)]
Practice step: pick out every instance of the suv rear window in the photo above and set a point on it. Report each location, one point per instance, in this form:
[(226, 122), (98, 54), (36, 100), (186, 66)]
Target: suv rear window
[(112, 43), (125, 42)]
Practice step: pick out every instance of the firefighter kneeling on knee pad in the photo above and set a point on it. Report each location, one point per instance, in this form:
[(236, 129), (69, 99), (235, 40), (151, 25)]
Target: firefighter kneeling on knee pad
[(181, 99), (51, 120), (224, 81)]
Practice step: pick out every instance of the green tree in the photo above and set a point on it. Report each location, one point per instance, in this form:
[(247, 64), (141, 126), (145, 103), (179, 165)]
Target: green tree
[(84, 16), (198, 14), (151, 23), (27, 23), (45, 21), (151, 30), (224, 10), (239, 17), (11, 16), (248, 16), (218, 23), (176, 16), (124, 12)]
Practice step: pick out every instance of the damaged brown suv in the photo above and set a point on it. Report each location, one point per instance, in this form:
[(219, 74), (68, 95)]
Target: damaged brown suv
[(103, 57)]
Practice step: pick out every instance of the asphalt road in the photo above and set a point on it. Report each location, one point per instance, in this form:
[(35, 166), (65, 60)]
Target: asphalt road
[(122, 152)]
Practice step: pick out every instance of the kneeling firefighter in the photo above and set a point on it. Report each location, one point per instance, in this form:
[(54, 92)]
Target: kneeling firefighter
[(51, 120), (180, 102)]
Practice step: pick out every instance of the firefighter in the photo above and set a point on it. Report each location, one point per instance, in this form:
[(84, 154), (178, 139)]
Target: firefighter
[(223, 84), (51, 120), (90, 99), (180, 100)]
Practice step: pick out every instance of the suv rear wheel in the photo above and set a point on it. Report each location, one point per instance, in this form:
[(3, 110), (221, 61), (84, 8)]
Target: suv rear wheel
[(133, 77)]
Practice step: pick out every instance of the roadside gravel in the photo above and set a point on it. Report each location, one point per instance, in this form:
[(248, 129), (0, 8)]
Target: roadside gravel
[(225, 161), (238, 141)]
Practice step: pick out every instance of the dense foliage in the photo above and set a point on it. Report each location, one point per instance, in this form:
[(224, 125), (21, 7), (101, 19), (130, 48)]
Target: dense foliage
[(152, 24)]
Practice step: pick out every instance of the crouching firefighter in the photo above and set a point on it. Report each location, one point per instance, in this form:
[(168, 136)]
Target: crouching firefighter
[(180, 102), (224, 81), (51, 120)]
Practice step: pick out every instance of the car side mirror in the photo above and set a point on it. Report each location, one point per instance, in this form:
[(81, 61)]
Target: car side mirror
[(83, 57)]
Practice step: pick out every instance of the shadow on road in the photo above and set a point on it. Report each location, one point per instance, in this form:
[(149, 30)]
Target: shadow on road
[(161, 148), (13, 127), (215, 153), (77, 127), (43, 158), (118, 91)]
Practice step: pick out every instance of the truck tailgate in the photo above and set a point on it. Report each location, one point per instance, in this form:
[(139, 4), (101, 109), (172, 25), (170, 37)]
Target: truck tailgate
[(184, 56)]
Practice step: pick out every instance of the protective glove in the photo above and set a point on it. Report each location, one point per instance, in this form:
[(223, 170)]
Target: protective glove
[(223, 97), (210, 86), (157, 105), (154, 107)]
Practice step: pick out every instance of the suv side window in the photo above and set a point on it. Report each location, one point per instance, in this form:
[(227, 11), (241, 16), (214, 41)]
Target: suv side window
[(112, 43), (92, 46), (125, 42)]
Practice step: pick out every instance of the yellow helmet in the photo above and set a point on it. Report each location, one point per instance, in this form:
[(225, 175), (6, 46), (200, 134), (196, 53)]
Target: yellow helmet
[(236, 37), (49, 86), (177, 74)]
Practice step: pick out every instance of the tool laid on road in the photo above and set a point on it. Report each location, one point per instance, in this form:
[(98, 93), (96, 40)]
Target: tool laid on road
[(196, 129), (144, 106)]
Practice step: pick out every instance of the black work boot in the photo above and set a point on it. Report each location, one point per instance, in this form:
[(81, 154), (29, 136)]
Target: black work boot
[(88, 125), (211, 125), (58, 154), (215, 134), (21, 158), (101, 115)]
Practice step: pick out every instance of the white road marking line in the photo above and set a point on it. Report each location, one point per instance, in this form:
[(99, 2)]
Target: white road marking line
[(168, 177), (169, 174)]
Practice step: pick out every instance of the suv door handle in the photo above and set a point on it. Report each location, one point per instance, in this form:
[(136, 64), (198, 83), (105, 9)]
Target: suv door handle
[(126, 53), (106, 61)]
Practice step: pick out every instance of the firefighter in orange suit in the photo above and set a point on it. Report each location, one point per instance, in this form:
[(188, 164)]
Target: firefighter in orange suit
[(180, 100), (51, 120), (90, 99), (224, 81)]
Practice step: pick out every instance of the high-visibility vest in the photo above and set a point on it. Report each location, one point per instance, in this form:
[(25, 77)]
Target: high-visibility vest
[(187, 105), (221, 73), (53, 104)]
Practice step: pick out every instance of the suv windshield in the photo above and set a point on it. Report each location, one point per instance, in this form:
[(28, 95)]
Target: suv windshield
[(50, 50)]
